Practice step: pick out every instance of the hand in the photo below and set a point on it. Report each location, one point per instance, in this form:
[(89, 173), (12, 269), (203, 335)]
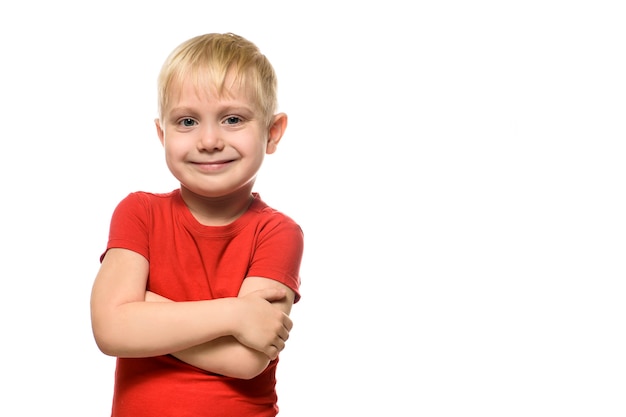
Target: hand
[(260, 325)]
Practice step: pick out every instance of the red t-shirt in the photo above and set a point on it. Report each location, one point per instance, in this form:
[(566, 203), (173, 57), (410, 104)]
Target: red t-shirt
[(190, 261)]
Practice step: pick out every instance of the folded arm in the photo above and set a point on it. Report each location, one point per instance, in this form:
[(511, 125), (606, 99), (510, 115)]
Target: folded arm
[(125, 325), (227, 355)]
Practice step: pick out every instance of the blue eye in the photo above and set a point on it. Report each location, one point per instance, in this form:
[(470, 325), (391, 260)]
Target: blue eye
[(187, 122), (232, 120)]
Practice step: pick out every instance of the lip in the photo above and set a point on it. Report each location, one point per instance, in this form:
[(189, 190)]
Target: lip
[(212, 166)]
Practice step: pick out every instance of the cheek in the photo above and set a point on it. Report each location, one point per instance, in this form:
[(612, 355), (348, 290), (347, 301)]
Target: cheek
[(260, 151), (173, 147), (173, 155)]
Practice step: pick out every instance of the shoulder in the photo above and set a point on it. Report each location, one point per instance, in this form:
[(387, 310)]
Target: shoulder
[(271, 216), (144, 205), (276, 229), (145, 198)]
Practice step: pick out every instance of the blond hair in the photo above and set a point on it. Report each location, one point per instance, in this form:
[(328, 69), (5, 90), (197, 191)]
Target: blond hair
[(207, 60)]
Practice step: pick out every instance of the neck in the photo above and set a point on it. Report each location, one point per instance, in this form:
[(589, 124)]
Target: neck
[(217, 211)]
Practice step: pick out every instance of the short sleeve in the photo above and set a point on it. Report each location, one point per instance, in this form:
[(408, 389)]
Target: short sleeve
[(128, 228), (278, 254)]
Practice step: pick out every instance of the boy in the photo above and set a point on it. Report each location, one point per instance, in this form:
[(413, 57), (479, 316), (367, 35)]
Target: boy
[(196, 285)]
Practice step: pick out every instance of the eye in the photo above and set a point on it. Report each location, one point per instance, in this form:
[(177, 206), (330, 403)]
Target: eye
[(232, 120), (187, 122)]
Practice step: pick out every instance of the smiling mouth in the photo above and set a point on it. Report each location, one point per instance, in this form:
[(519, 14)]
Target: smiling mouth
[(212, 165), (220, 162)]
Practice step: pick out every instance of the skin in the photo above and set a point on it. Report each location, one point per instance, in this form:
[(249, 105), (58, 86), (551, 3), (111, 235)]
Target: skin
[(214, 145)]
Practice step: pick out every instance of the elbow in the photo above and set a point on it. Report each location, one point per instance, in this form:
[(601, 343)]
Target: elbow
[(113, 338), (253, 370), (104, 348), (103, 332), (249, 365), (104, 342), (110, 340)]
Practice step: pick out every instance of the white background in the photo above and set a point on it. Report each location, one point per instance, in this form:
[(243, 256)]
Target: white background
[(458, 169)]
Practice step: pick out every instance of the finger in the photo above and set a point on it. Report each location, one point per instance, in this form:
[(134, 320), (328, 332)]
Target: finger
[(284, 334), (279, 345), (273, 294), (272, 352), (288, 323)]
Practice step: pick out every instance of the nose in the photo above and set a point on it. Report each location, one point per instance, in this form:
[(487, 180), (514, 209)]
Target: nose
[(210, 139)]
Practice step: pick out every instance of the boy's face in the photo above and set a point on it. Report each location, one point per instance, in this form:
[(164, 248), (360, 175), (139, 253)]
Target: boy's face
[(215, 145)]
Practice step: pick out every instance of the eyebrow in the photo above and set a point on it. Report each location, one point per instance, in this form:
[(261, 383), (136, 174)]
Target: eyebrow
[(176, 112), (244, 110)]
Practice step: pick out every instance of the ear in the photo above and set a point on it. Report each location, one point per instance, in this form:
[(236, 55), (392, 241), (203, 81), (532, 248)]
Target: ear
[(159, 129), (276, 131)]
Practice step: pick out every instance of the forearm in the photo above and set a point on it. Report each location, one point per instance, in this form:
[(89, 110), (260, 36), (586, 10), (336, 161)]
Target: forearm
[(125, 324), (141, 329), (225, 356)]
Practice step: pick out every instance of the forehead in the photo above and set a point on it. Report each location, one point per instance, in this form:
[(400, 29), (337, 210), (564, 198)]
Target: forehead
[(203, 87)]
